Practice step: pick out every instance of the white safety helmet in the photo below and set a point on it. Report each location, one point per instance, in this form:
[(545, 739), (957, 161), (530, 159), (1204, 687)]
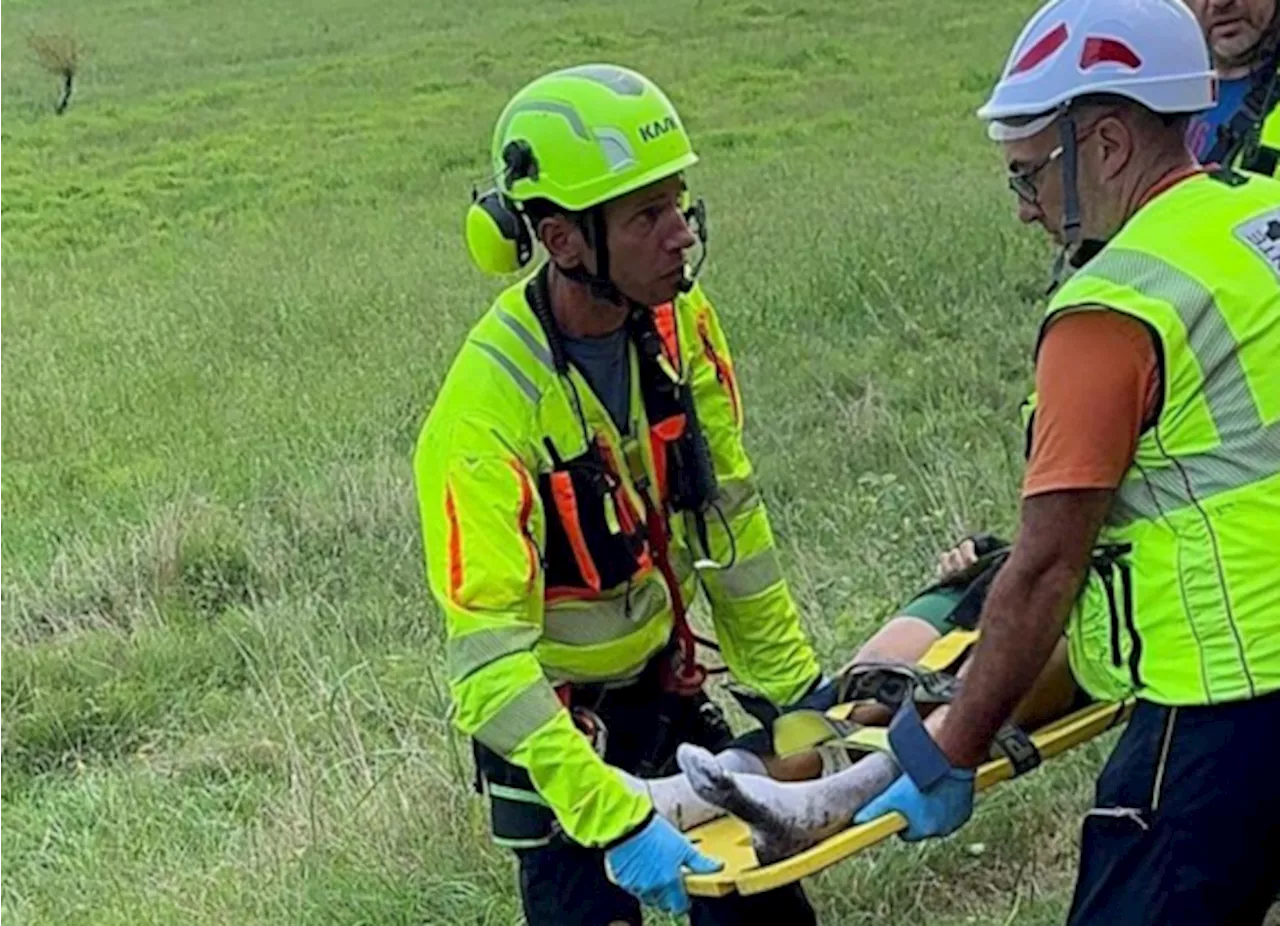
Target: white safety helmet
[(1151, 51)]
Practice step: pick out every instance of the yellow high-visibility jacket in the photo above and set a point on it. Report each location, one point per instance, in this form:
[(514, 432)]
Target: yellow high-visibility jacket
[(533, 508)]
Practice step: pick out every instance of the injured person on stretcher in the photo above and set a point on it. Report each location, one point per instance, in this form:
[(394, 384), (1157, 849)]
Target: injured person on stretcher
[(793, 800)]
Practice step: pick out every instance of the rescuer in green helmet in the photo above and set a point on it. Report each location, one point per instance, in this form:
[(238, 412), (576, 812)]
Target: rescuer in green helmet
[(580, 475)]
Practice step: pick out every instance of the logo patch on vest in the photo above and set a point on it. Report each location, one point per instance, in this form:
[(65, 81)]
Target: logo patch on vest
[(1262, 235)]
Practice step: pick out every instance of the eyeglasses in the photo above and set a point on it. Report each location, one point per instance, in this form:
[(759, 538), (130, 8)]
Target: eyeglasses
[(1023, 182)]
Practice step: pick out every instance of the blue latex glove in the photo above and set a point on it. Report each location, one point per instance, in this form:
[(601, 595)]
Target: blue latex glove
[(650, 865), (939, 811)]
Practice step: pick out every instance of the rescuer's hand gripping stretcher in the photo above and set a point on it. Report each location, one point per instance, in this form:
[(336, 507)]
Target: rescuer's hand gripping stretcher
[(826, 764)]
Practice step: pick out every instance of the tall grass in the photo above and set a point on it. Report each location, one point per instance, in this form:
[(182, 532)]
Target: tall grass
[(233, 280)]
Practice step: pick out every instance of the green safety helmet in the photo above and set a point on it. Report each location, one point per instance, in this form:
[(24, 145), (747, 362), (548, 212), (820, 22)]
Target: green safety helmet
[(576, 138)]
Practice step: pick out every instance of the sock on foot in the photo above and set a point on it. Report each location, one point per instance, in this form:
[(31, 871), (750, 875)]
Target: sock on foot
[(674, 797), (786, 817)]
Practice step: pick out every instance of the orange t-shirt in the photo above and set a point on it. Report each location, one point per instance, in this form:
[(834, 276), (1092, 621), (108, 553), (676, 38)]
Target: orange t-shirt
[(1098, 385)]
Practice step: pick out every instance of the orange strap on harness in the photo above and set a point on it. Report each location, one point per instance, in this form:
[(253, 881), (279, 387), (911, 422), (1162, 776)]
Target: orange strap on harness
[(684, 675)]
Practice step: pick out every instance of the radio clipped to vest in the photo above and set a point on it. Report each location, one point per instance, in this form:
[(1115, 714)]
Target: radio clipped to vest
[(596, 540)]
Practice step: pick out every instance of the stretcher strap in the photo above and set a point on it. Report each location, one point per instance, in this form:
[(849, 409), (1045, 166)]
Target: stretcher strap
[(894, 685), (1018, 748), (891, 684)]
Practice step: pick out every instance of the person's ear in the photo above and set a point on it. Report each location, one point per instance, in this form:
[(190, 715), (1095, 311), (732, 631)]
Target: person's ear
[(563, 239), (1116, 145)]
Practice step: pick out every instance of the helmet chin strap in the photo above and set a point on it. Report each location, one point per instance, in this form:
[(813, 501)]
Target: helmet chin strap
[(601, 285), (1076, 250), (1070, 197)]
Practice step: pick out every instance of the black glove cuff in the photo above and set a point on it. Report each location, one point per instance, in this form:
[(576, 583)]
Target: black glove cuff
[(613, 844)]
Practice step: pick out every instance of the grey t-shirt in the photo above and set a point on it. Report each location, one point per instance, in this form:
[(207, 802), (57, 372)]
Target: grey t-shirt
[(603, 362)]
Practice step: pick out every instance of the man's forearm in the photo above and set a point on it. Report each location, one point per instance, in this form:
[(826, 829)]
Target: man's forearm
[(1021, 622)]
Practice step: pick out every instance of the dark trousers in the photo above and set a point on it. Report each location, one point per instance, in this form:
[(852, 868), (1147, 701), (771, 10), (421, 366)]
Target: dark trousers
[(1185, 828), (564, 883)]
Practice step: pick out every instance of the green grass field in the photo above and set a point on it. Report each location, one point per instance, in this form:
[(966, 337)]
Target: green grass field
[(233, 278)]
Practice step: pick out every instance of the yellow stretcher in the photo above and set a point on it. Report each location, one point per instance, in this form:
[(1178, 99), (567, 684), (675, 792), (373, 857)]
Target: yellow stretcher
[(729, 839)]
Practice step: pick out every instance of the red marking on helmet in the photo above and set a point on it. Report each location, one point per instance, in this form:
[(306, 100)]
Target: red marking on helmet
[(1045, 46), (1098, 50)]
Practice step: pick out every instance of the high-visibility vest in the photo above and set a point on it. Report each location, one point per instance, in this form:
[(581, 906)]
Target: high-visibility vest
[(1192, 613), (534, 513)]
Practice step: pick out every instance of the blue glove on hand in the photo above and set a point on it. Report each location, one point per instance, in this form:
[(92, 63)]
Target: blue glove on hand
[(934, 796), (939, 811), (649, 864)]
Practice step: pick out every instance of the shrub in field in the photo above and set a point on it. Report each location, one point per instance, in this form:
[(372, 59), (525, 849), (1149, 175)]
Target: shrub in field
[(59, 54)]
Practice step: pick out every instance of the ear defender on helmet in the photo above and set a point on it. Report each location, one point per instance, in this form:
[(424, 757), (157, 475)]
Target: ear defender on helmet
[(498, 237)]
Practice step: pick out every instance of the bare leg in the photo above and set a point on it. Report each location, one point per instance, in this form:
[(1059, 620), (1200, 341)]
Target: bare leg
[(711, 785), (786, 817), (1049, 698), (802, 766), (1052, 694), (902, 639)]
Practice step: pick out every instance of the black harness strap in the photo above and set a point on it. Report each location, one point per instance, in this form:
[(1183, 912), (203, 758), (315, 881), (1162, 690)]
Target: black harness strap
[(1242, 133), (892, 684)]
